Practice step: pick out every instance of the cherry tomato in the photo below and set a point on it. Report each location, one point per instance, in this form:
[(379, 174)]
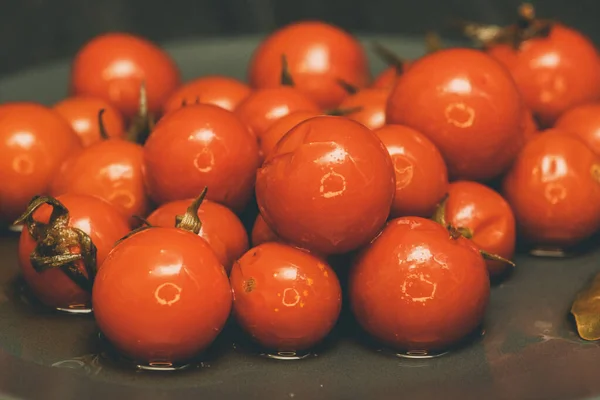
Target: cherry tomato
[(162, 296), (421, 174), (482, 215), (34, 140), (318, 54), (218, 90), (288, 300), (468, 105), (372, 103), (279, 128), (82, 113), (112, 170), (197, 146), (583, 122), (77, 219), (554, 190), (262, 233), (328, 186), (221, 228), (113, 66), (416, 288)]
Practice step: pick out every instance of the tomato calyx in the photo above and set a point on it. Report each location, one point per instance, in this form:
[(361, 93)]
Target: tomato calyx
[(586, 310), (101, 126), (457, 232), (342, 112), (348, 87), (190, 220), (390, 58), (56, 240), (286, 76), (143, 123)]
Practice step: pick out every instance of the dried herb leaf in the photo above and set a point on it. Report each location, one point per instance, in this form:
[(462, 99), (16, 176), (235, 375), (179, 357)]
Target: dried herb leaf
[(586, 310)]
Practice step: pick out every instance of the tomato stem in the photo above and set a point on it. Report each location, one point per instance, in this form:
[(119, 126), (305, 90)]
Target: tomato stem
[(433, 42), (143, 123), (101, 126), (388, 57), (190, 220), (495, 257), (286, 76), (348, 87), (340, 112)]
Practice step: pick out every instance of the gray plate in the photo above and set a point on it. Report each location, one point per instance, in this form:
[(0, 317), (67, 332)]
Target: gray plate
[(529, 350)]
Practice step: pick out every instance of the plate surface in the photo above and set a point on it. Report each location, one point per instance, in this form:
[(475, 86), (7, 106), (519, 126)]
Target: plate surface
[(529, 349)]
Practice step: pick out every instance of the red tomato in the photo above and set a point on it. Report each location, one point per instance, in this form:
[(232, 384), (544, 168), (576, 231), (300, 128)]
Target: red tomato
[(113, 66), (318, 54), (372, 103), (421, 174), (112, 170), (197, 146), (279, 128), (218, 90), (162, 296), (82, 113), (97, 219), (221, 228), (485, 217), (262, 233), (468, 105), (417, 288), (583, 122), (286, 299), (328, 185), (554, 190), (34, 140)]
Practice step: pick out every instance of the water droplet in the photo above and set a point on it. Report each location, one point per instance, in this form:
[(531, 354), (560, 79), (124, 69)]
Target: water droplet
[(287, 355), (420, 354), (161, 366), (79, 309), (551, 252)]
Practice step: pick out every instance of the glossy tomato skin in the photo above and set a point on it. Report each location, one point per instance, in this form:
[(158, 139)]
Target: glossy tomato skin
[(285, 298), (583, 122), (161, 296), (201, 146), (553, 189), (113, 66), (415, 288), (221, 228), (318, 54), (34, 140), (112, 170), (467, 104), (372, 103), (421, 173), (262, 233), (328, 185), (554, 73), (279, 128), (82, 113), (94, 216), (487, 216), (218, 90)]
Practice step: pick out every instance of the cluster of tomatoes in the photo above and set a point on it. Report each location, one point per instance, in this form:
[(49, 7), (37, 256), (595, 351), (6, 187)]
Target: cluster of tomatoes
[(138, 180)]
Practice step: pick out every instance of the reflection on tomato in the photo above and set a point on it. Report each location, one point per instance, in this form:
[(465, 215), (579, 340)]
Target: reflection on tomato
[(201, 146), (372, 103), (417, 288), (100, 221), (286, 299), (262, 233), (583, 122), (318, 54), (328, 185), (554, 190), (421, 174), (279, 128), (218, 90), (34, 140), (468, 105), (113, 66)]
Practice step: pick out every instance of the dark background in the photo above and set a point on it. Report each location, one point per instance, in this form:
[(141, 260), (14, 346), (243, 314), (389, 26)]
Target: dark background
[(37, 31)]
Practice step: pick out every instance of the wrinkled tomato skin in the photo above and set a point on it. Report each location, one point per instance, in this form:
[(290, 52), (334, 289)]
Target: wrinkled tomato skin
[(99, 220), (113, 66), (279, 128), (318, 54), (583, 122), (286, 299), (112, 170), (82, 113), (555, 73), (34, 141), (487, 216), (421, 173), (161, 296), (262, 233), (372, 103), (221, 228), (415, 288), (328, 185), (467, 104), (201, 146), (217, 90), (554, 190)]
